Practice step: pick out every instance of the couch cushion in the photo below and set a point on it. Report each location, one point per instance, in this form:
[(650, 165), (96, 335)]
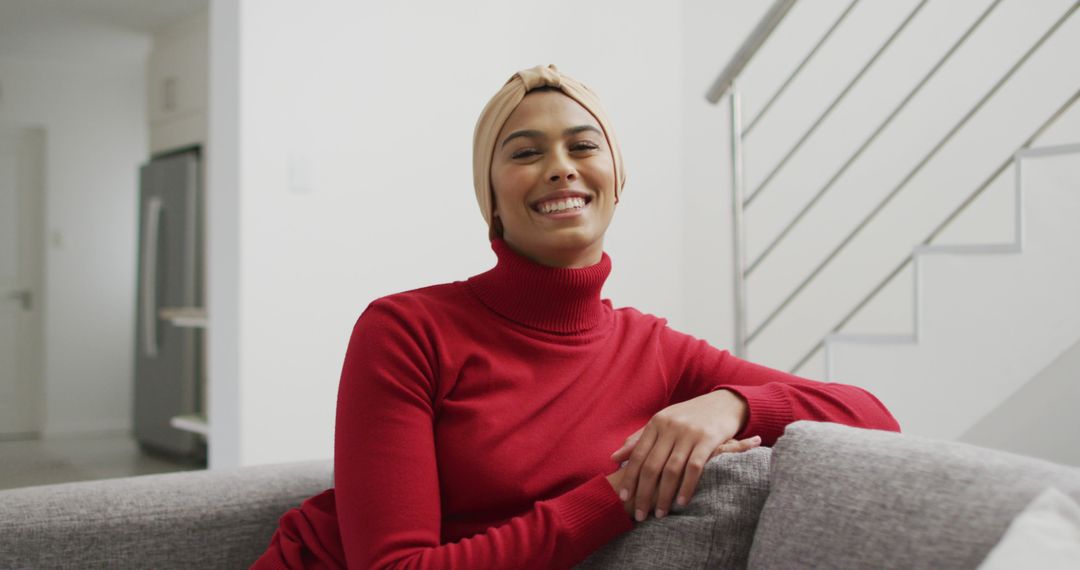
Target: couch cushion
[(713, 531), (198, 519), (842, 497), (1045, 535)]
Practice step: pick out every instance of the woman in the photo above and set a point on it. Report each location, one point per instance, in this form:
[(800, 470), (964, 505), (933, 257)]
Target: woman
[(477, 420)]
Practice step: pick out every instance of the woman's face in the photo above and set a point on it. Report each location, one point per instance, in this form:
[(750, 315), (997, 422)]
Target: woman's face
[(554, 181)]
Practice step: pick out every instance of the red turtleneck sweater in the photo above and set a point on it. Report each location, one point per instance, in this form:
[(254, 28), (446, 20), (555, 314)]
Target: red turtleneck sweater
[(476, 421)]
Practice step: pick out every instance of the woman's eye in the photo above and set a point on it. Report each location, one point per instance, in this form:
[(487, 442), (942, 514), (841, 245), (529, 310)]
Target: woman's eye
[(524, 153), (584, 146)]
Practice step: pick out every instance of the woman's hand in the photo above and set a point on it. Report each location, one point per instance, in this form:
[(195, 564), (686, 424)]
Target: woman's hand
[(669, 453), (615, 479)]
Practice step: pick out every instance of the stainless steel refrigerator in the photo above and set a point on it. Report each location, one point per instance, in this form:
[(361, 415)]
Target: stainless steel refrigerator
[(168, 352)]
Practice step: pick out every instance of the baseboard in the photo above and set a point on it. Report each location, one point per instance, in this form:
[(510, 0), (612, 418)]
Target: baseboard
[(111, 425)]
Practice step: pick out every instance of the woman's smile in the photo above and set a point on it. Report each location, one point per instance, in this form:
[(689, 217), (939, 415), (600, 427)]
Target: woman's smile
[(562, 204)]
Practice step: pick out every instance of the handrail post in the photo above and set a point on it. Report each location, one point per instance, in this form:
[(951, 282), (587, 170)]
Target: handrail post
[(738, 234), (725, 84)]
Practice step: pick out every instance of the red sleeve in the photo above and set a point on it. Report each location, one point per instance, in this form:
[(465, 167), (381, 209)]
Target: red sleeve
[(386, 480), (774, 398)]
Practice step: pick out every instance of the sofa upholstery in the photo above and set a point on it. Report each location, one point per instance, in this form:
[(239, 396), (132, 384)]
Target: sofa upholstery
[(196, 519), (823, 496), (714, 530), (846, 498)]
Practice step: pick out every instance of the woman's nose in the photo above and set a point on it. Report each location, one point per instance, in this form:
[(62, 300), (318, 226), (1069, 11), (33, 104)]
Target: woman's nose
[(562, 167)]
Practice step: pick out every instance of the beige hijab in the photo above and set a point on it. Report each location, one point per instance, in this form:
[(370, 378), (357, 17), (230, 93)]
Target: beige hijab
[(503, 104)]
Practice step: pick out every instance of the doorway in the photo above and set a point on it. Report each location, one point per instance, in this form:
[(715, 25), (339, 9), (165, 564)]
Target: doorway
[(22, 190)]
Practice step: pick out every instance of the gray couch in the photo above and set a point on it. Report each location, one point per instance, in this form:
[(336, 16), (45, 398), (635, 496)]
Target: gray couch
[(825, 496)]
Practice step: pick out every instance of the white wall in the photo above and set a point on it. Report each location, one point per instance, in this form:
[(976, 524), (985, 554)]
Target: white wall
[(1045, 406), (351, 143), (712, 32), (84, 85), (222, 173)]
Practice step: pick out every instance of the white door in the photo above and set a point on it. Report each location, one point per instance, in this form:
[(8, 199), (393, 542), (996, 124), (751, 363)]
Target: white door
[(21, 199)]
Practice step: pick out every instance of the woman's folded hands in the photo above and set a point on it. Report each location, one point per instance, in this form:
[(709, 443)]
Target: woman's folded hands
[(663, 461)]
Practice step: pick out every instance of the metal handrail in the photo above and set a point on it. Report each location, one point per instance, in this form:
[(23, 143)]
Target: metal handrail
[(948, 220), (866, 144), (749, 48), (798, 69), (835, 102), (896, 190)]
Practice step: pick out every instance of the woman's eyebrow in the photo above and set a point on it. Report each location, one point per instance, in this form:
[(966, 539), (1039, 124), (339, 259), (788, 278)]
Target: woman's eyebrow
[(538, 134), (581, 128)]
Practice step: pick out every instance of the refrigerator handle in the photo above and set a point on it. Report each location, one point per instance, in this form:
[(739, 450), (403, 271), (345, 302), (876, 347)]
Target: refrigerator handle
[(151, 234)]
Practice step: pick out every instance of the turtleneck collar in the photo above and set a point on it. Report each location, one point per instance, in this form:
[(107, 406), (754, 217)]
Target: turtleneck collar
[(552, 299)]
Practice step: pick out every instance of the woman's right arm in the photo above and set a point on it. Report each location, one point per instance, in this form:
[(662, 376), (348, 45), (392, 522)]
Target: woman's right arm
[(386, 480)]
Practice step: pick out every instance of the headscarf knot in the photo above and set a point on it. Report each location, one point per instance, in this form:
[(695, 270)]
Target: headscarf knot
[(539, 77)]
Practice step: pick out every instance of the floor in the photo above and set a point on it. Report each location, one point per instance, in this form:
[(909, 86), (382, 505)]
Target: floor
[(82, 457)]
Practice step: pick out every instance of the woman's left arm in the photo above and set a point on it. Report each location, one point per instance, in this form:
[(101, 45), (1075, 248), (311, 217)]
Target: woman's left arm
[(721, 403)]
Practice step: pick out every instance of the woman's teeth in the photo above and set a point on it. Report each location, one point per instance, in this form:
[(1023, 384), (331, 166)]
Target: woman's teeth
[(561, 205)]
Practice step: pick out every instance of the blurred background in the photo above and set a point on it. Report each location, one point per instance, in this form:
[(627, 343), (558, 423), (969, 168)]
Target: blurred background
[(200, 197)]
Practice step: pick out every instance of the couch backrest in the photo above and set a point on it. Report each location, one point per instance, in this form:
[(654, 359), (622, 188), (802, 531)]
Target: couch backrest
[(197, 519), (842, 497)]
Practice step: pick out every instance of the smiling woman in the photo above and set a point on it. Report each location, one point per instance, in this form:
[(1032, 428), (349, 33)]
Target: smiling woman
[(516, 419), (553, 179)]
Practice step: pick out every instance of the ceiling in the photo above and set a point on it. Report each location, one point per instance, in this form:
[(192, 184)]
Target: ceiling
[(143, 16), (87, 32)]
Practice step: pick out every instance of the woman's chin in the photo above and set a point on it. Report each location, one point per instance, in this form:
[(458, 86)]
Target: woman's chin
[(564, 239), (567, 247)]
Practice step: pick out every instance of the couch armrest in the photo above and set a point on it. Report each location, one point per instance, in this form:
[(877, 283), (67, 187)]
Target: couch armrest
[(197, 519)]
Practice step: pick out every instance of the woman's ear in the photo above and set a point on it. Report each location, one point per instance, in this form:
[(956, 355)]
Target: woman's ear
[(496, 223)]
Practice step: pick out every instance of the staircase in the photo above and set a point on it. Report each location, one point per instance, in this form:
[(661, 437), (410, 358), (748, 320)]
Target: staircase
[(987, 318), (861, 130)]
